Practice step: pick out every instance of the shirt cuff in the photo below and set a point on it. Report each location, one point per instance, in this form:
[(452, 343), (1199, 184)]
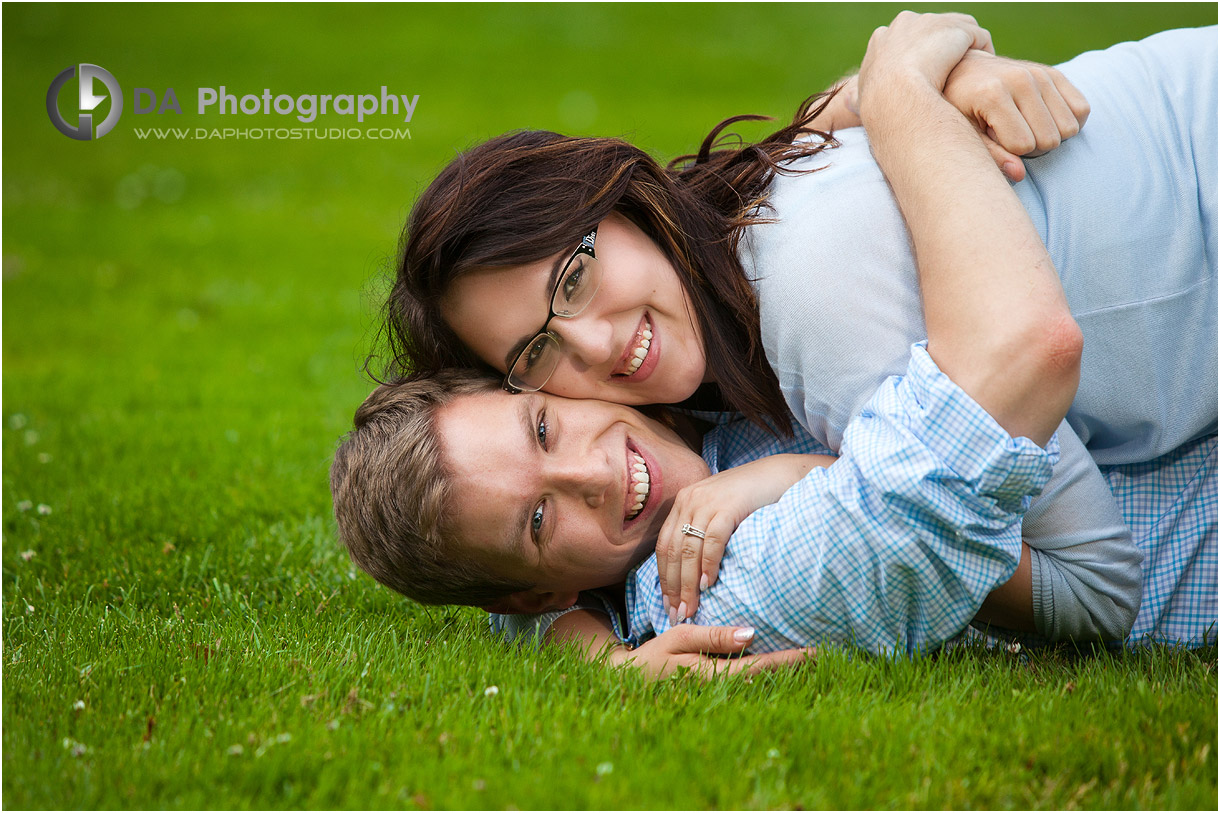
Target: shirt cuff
[(531, 629), (967, 439)]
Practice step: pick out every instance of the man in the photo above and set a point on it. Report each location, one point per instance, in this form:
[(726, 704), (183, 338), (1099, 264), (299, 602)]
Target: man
[(817, 566)]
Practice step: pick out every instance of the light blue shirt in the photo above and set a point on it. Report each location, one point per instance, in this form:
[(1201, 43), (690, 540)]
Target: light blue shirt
[(1133, 230), (1127, 210), (892, 548), (1170, 503)]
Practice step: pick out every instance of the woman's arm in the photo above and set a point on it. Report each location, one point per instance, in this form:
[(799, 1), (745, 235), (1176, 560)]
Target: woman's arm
[(998, 323), (689, 563), (687, 647)]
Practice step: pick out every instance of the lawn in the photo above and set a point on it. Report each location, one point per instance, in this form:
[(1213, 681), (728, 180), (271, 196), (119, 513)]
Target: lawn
[(184, 325)]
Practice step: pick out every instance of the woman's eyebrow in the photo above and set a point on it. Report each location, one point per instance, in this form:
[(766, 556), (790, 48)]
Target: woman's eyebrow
[(551, 280)]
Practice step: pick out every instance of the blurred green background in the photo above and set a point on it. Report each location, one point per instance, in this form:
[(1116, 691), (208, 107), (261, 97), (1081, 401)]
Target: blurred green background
[(184, 321)]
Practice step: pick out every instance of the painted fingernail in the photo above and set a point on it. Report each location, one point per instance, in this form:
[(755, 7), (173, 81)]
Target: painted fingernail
[(743, 635), (673, 617), (702, 582), (682, 611)]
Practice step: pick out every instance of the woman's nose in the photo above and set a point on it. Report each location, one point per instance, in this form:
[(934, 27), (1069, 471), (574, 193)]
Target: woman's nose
[(588, 340)]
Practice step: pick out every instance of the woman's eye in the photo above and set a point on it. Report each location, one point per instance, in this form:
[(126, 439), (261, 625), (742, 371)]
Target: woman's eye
[(536, 351), (542, 430), (573, 281)]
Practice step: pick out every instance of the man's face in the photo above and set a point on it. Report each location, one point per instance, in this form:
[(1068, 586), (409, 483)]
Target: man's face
[(548, 490)]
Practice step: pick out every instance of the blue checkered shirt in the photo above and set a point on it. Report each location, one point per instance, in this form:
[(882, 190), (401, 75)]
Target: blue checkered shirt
[(892, 548), (801, 571)]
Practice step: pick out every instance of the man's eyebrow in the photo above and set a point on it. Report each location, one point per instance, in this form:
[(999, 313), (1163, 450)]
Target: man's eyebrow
[(551, 280), (524, 413)]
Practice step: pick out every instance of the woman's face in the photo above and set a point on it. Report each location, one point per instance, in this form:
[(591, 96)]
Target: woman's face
[(495, 312)]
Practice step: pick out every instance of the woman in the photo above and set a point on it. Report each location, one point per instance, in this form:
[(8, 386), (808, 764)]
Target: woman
[(678, 300)]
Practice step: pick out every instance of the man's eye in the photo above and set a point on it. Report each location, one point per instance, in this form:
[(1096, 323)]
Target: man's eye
[(542, 430), (536, 523)]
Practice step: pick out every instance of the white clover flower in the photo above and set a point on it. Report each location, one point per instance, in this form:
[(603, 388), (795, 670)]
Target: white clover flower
[(31, 437), (79, 705), (27, 555), (43, 457), (491, 691), (17, 421), (24, 505), (44, 509)]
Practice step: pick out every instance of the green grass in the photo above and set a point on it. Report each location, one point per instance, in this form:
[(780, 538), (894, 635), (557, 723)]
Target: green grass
[(183, 326)]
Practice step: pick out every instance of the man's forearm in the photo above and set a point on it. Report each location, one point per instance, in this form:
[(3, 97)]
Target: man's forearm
[(997, 320)]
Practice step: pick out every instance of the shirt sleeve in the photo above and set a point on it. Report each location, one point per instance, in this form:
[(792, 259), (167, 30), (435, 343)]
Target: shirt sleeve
[(1086, 567), (895, 546), (522, 629)]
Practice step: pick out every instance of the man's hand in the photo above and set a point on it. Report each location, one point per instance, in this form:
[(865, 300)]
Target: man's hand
[(917, 47), (686, 649), (1020, 108)]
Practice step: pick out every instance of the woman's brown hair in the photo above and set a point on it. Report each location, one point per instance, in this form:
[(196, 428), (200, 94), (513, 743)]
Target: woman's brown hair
[(526, 196)]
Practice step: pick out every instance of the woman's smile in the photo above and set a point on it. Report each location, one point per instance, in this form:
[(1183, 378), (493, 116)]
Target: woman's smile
[(636, 342), (639, 359)]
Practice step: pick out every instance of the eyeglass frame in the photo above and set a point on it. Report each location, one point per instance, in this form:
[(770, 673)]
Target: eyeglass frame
[(586, 247)]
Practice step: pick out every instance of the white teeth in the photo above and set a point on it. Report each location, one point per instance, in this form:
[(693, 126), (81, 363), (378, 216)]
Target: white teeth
[(640, 352), (641, 480)]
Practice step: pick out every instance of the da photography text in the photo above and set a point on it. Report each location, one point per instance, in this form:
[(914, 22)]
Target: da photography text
[(94, 85)]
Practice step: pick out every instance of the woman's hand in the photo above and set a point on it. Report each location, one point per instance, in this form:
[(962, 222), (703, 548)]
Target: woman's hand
[(1020, 108), (717, 505), (689, 648)]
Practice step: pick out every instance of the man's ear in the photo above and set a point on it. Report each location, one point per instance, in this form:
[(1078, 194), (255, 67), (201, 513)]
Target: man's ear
[(532, 602)]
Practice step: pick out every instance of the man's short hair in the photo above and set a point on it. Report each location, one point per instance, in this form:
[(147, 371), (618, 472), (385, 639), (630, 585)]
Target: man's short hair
[(392, 492)]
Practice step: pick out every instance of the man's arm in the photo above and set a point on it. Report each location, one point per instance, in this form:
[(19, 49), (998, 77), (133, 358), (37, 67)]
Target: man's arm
[(997, 319), (1019, 108), (896, 545)]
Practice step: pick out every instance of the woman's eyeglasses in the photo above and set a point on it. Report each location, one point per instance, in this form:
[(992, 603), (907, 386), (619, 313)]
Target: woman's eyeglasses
[(574, 290)]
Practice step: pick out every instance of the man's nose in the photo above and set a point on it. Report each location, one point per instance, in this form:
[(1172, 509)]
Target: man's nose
[(588, 475)]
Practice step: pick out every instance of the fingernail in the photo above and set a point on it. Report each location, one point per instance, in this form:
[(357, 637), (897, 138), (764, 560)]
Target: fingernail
[(702, 582), (673, 617), (743, 635), (682, 611)]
